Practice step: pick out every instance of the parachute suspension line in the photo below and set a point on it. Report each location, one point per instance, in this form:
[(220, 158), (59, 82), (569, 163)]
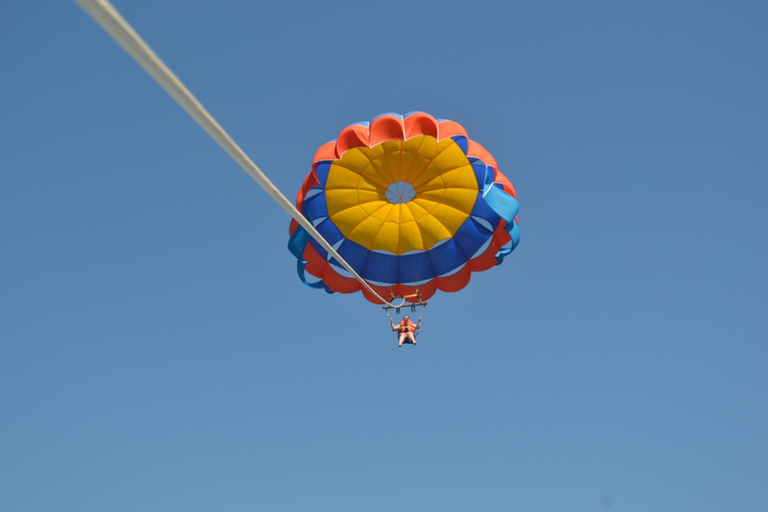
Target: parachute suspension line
[(411, 305), (115, 25)]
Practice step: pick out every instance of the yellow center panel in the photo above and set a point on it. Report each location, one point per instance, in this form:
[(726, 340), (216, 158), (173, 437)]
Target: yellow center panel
[(445, 191)]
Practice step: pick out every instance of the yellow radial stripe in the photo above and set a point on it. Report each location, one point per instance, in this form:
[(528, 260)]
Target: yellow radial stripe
[(351, 198), (408, 233), (390, 162), (442, 214), (360, 164), (350, 218), (383, 212), (455, 198), (430, 229), (444, 156), (380, 169), (421, 151), (445, 192)]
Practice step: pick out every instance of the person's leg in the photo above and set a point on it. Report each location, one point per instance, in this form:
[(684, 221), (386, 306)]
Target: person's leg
[(402, 338), (412, 338)]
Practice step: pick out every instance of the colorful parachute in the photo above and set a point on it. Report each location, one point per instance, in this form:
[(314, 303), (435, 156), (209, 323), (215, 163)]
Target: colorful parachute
[(410, 202)]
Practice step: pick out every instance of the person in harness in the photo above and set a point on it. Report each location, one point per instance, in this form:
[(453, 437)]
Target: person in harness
[(406, 329)]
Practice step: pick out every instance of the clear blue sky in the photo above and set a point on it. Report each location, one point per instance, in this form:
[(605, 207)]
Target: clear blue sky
[(158, 352)]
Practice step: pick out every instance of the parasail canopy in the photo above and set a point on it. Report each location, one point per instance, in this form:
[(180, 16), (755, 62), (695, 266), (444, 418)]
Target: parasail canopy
[(410, 202)]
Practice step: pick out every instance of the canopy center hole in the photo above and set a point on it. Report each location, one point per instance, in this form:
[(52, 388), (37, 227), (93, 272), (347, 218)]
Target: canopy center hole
[(400, 192)]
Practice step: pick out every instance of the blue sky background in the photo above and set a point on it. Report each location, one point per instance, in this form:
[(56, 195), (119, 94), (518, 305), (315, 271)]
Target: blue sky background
[(158, 352)]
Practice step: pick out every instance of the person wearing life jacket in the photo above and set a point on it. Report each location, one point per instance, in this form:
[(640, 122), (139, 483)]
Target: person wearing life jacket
[(406, 328)]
